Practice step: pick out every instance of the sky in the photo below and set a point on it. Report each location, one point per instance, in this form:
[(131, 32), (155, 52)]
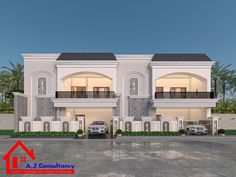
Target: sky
[(118, 26)]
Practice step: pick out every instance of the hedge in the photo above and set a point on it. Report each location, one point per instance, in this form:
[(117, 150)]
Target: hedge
[(6, 132), (44, 134), (150, 133), (230, 132)]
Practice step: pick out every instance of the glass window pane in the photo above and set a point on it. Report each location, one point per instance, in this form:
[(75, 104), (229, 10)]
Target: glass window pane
[(42, 86), (134, 86)]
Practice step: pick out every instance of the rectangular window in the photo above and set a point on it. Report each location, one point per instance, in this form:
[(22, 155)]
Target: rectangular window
[(178, 92), (178, 89), (159, 89), (101, 92), (78, 92), (101, 89), (159, 92), (78, 89)]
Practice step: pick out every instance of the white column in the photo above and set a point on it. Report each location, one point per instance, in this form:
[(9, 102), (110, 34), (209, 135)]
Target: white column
[(208, 112), (215, 125), (116, 124), (153, 83)]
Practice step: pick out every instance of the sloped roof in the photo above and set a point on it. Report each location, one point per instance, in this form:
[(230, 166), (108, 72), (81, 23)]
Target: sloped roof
[(86, 56), (180, 57)]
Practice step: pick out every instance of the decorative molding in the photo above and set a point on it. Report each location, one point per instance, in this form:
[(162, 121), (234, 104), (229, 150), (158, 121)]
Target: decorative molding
[(139, 96), (176, 64), (19, 94), (36, 56), (87, 102), (86, 63), (187, 103), (134, 57), (45, 96)]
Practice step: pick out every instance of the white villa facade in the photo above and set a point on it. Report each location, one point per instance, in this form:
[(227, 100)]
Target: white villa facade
[(161, 92)]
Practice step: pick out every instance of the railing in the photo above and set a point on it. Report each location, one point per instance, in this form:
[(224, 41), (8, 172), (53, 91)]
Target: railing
[(184, 95), (85, 94)]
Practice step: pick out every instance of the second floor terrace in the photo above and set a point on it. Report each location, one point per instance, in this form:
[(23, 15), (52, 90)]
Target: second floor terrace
[(183, 90), (86, 89)]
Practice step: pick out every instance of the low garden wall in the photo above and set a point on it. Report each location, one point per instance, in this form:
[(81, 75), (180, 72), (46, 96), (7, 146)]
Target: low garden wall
[(226, 121), (7, 122)]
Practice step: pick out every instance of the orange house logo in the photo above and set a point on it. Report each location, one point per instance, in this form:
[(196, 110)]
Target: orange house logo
[(13, 162)]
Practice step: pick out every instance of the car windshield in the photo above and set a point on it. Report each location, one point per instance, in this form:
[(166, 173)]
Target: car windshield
[(98, 123)]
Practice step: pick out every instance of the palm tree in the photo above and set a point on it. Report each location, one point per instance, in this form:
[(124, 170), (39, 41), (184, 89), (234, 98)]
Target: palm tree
[(223, 78), (216, 72), (17, 76), (227, 78)]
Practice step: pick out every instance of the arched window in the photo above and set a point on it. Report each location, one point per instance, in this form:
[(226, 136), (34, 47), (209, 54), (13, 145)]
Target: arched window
[(65, 126), (27, 126), (147, 126), (133, 86), (46, 127), (42, 86), (128, 126), (165, 126)]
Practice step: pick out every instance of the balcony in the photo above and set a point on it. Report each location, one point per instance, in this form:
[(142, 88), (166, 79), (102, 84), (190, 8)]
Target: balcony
[(184, 100), (184, 95), (85, 94), (85, 99)]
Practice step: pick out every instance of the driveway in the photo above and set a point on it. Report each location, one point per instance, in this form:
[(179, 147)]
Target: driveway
[(164, 157)]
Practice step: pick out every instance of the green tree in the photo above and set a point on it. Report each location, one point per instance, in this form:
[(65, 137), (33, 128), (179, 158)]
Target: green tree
[(16, 76), (11, 80), (223, 79), (4, 84)]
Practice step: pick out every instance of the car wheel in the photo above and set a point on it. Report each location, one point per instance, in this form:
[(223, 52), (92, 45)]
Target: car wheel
[(188, 132)]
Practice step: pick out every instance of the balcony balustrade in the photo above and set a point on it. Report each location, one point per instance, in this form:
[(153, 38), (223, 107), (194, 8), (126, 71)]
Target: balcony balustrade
[(184, 95), (85, 94)]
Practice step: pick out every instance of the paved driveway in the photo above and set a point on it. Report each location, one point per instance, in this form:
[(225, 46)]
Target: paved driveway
[(167, 157)]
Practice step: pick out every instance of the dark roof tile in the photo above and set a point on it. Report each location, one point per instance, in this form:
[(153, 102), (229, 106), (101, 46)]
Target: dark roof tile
[(180, 57), (86, 56)]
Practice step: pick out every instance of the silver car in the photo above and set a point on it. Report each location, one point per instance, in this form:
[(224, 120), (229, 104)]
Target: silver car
[(98, 127), (196, 130)]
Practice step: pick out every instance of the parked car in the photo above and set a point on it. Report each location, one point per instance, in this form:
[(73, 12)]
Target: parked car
[(98, 127), (196, 130)]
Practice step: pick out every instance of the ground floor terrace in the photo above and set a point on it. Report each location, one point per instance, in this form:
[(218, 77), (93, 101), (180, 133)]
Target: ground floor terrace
[(164, 119), (163, 157)]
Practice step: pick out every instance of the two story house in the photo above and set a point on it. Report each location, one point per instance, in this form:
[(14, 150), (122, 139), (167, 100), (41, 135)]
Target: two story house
[(160, 92)]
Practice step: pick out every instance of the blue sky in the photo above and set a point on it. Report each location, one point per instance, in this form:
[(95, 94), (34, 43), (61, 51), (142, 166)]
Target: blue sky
[(124, 26)]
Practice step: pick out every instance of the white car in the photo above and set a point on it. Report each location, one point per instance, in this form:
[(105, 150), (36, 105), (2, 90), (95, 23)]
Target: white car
[(98, 127), (196, 130)]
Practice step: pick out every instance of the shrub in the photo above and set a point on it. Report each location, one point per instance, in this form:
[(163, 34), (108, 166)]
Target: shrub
[(182, 131), (80, 132), (118, 131), (44, 134), (230, 132), (141, 133), (6, 132), (221, 131)]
